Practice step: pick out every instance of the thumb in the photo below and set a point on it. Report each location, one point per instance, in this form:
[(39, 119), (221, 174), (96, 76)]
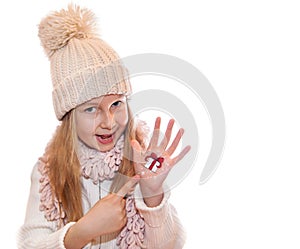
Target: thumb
[(137, 151), (128, 186), (136, 145)]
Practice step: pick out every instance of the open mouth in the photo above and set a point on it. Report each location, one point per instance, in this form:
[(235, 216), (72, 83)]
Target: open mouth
[(105, 138)]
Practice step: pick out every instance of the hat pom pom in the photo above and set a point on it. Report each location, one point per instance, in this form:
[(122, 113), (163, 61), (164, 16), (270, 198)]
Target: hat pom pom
[(57, 29)]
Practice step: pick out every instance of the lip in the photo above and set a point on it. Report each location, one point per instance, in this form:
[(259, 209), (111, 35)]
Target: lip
[(105, 138)]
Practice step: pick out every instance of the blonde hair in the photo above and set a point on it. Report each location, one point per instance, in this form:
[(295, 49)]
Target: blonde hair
[(65, 170)]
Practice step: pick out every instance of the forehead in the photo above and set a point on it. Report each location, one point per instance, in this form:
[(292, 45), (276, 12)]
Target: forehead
[(106, 99)]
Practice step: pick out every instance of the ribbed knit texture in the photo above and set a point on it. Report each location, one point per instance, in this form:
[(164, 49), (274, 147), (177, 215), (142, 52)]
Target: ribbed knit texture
[(162, 226), (83, 66), (54, 240), (96, 166)]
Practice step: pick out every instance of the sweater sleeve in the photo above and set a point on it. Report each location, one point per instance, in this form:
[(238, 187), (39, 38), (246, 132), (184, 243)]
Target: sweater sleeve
[(36, 231), (163, 228)]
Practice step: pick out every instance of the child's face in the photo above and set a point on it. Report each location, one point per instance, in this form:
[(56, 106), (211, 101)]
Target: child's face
[(101, 121)]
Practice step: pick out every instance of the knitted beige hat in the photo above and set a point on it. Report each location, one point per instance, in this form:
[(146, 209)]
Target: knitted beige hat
[(83, 66)]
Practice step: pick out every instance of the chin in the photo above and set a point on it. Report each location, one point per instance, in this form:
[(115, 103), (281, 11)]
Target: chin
[(105, 148)]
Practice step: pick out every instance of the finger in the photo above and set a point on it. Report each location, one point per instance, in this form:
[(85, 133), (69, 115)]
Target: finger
[(135, 145), (181, 155), (155, 135), (175, 142), (168, 133), (128, 186), (137, 151)]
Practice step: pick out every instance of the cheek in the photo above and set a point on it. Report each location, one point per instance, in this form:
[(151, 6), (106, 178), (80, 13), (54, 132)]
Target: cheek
[(121, 117), (84, 126)]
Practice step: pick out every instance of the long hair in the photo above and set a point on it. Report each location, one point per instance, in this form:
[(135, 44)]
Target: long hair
[(136, 130), (65, 170)]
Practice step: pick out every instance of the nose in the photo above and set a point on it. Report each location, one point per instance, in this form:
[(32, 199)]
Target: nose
[(106, 120)]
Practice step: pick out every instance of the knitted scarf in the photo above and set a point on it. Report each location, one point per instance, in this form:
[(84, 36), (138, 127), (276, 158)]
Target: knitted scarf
[(97, 166)]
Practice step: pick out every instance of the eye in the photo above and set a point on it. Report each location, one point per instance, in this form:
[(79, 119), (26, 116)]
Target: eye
[(91, 109), (116, 104)]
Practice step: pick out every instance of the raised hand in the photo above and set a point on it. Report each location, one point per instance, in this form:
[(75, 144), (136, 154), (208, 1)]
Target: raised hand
[(157, 158)]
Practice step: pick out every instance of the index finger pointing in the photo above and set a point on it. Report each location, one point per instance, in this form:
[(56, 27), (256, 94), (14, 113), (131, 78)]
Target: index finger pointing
[(128, 186)]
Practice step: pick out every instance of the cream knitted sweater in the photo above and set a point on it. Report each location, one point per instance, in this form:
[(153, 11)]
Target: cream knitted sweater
[(162, 226)]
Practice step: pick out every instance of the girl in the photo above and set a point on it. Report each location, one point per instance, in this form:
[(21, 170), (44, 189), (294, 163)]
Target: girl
[(82, 188)]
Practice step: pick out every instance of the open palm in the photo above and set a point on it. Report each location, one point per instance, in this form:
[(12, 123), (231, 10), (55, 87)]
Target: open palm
[(152, 180)]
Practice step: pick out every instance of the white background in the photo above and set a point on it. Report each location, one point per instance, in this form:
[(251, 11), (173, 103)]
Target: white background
[(249, 51)]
